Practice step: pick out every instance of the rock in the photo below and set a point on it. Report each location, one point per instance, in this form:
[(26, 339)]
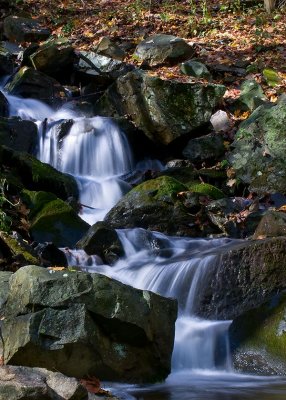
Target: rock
[(24, 383), (160, 48), (50, 255), (164, 110), (227, 69), (206, 189), (35, 175), (220, 121), (94, 63), (16, 250), (260, 332), (251, 96), (178, 163), (205, 148), (102, 240), (4, 105), (272, 224), (107, 48), (53, 57), (88, 325), (258, 155), (33, 84), (155, 205), (19, 29), (184, 174), (18, 134), (6, 62), (195, 69), (246, 275), (4, 290), (53, 220)]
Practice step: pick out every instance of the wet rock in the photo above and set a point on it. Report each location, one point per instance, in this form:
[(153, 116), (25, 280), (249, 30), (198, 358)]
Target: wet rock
[(23, 383), (88, 325), (184, 174), (103, 241), (6, 61), (177, 163), (50, 255), (35, 175), (52, 57), (272, 224), (19, 29), (260, 333), (258, 154), (164, 110), (205, 148), (4, 106), (195, 69), (30, 83), (245, 276), (53, 220), (160, 48), (18, 134)]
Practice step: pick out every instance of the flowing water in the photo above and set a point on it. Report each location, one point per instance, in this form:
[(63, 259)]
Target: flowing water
[(97, 153)]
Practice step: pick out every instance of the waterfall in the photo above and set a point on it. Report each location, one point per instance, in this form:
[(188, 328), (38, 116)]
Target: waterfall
[(173, 267)]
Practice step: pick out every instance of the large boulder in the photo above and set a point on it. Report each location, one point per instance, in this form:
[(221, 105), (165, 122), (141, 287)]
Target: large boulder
[(102, 240), (243, 276), (260, 334), (18, 134), (207, 147), (53, 220), (272, 224), (24, 383), (160, 48), (164, 110), (258, 154), (87, 325), (20, 29), (4, 289), (52, 57), (30, 83), (35, 175), (162, 204)]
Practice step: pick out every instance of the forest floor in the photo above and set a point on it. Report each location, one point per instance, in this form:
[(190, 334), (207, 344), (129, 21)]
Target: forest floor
[(232, 33)]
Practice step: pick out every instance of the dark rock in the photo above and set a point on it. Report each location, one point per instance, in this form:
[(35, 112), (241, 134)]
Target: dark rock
[(88, 325), (164, 110), (107, 48), (260, 332), (53, 220), (160, 48), (205, 148), (52, 57), (103, 241), (227, 69), (272, 224), (258, 154), (18, 134), (22, 30), (36, 175), (24, 383), (29, 83), (6, 62), (50, 255), (177, 163), (195, 69), (4, 106), (184, 174), (155, 205), (245, 276)]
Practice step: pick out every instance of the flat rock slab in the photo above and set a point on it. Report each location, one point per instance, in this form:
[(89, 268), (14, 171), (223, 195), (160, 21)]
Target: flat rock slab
[(21, 29)]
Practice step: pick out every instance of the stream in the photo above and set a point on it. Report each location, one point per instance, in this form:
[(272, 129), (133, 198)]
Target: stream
[(98, 155)]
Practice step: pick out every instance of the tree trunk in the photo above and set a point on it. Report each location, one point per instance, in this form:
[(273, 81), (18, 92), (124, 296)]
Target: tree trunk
[(269, 5)]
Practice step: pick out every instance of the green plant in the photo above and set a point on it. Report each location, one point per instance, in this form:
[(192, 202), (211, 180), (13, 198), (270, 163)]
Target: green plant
[(5, 220)]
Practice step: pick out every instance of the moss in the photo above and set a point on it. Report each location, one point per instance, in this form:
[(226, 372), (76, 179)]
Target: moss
[(36, 201), (18, 250), (207, 189)]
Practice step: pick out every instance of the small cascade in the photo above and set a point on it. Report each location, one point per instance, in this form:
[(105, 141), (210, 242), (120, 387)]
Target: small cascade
[(175, 267)]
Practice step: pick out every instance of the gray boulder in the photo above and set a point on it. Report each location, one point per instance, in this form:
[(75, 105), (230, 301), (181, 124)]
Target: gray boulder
[(244, 276), (4, 289), (160, 48), (107, 48), (87, 325), (272, 224), (164, 110), (19, 29), (207, 147), (18, 134), (259, 148), (30, 83), (195, 69), (251, 96)]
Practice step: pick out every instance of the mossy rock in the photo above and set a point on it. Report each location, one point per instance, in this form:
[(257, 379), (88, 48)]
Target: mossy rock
[(206, 189), (17, 251), (36, 175), (53, 220)]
